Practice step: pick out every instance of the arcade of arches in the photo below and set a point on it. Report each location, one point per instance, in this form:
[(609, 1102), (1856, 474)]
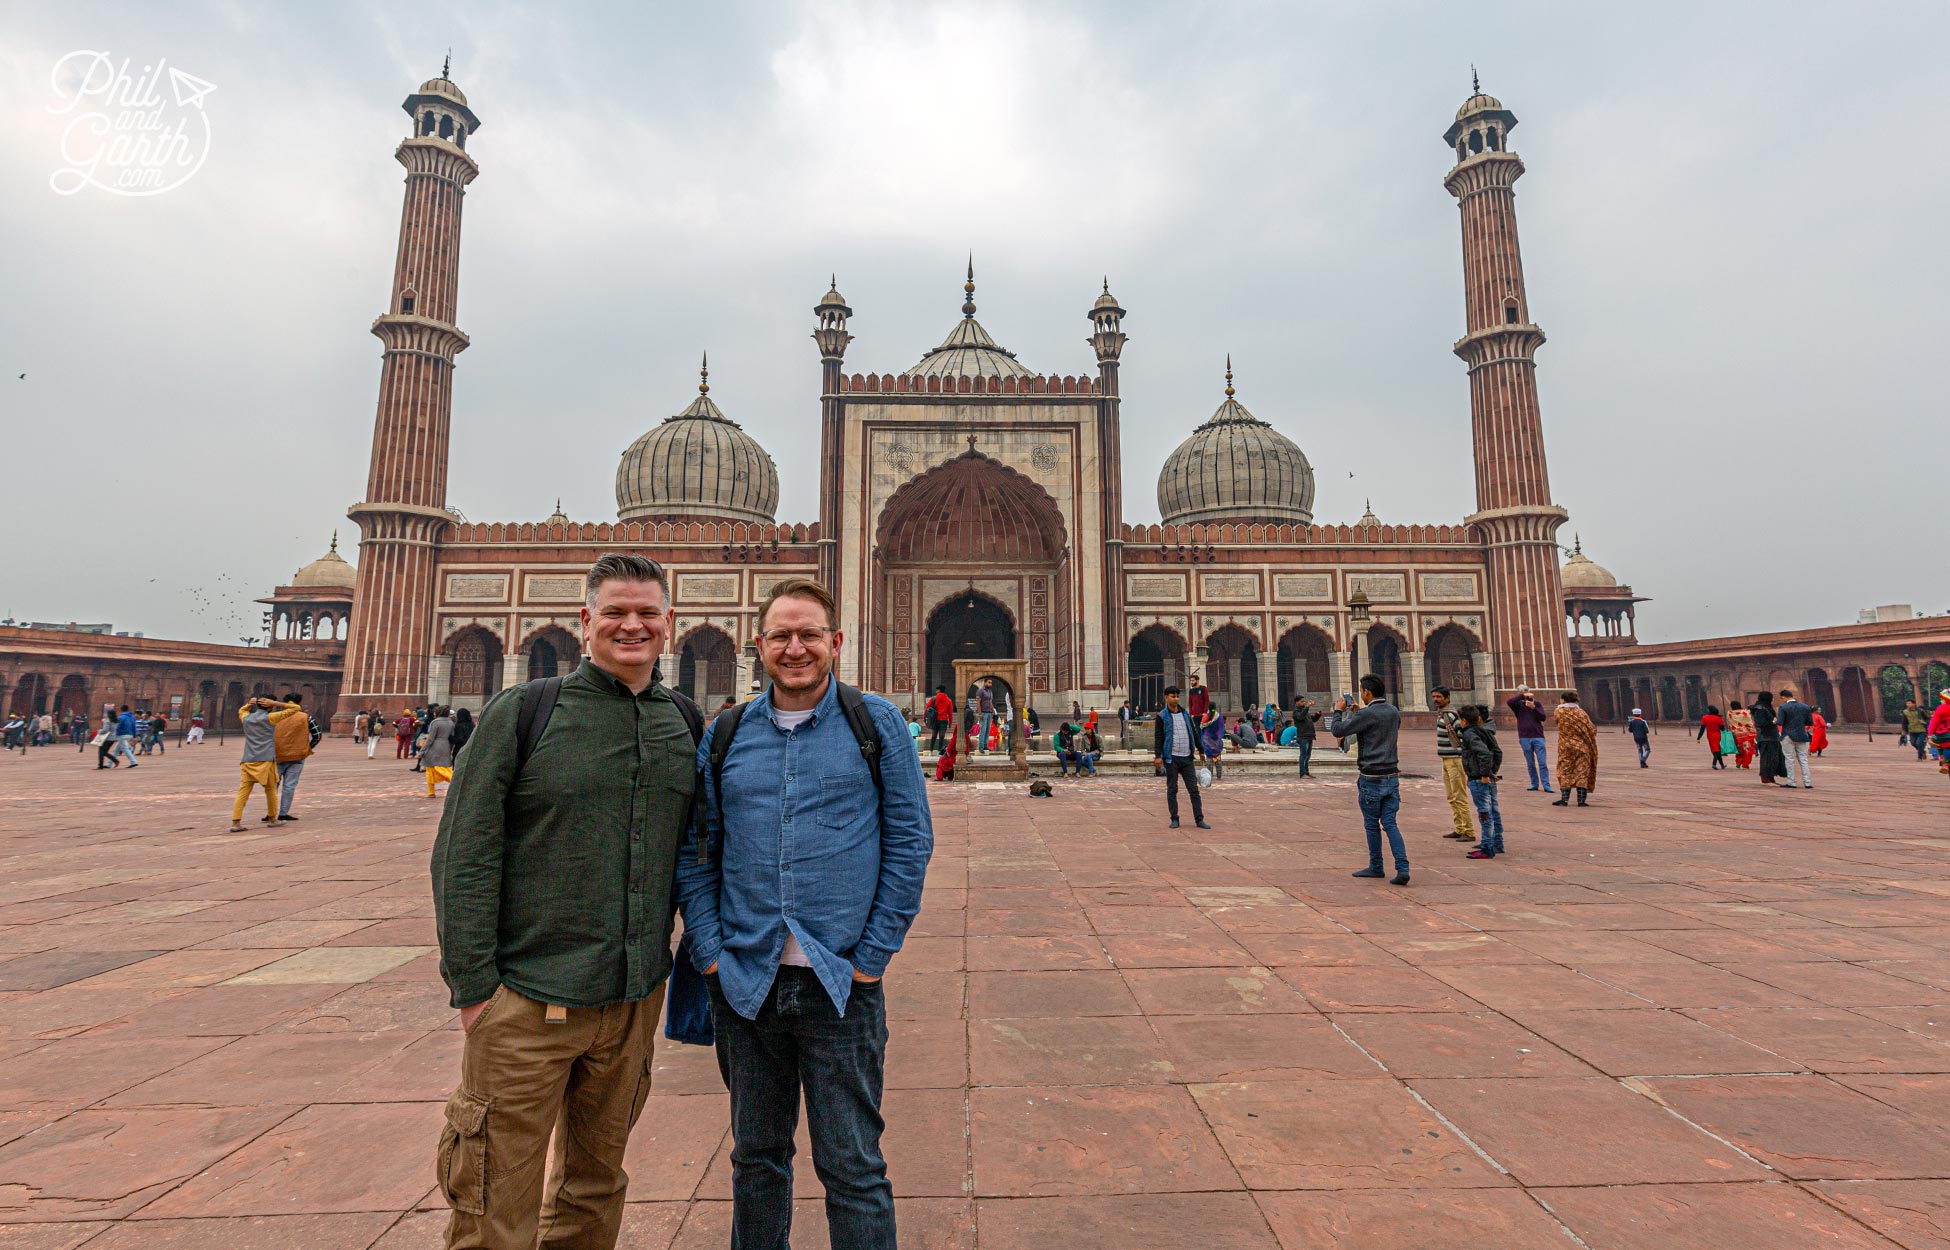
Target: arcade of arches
[(66, 674), (1849, 690)]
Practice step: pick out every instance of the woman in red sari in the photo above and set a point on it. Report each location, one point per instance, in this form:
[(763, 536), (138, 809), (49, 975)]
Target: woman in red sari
[(1741, 721), (944, 764), (1817, 733)]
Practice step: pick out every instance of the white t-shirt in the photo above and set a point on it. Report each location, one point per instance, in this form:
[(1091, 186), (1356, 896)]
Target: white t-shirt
[(794, 953)]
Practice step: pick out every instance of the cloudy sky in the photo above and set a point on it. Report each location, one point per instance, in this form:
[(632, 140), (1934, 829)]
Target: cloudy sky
[(1733, 231)]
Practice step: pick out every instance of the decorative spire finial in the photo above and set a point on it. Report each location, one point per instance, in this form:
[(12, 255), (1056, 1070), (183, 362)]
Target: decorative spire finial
[(1229, 391), (704, 375), (1577, 544), (1106, 284), (558, 503), (971, 442), (447, 65), (335, 542), (968, 289), (1475, 85)]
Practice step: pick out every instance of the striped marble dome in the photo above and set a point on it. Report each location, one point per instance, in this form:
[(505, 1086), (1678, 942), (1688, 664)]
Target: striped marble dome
[(697, 465), (1236, 467)]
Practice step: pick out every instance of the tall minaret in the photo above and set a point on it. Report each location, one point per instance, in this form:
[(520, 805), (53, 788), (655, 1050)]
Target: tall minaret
[(406, 487), (1107, 339), (1514, 513), (832, 338)]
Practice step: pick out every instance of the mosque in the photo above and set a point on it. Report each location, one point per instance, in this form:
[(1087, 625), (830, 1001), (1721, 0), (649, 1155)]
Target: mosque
[(970, 506)]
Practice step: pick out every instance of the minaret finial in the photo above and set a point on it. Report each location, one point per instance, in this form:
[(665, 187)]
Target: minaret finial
[(1229, 391), (704, 375), (1475, 84), (558, 503), (335, 542), (968, 289), (1106, 284), (447, 65), (1577, 544)]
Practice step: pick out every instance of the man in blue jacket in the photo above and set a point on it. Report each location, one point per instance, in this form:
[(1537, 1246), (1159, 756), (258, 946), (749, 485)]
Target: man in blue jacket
[(796, 892), (1176, 757)]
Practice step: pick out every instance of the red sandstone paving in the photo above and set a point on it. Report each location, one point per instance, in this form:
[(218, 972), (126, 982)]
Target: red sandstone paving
[(1103, 1031), (1709, 1217)]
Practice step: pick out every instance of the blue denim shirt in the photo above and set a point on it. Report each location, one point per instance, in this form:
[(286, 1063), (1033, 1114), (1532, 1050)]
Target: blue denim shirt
[(804, 848)]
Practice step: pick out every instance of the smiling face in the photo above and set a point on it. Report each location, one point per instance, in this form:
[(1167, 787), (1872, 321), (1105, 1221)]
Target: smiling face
[(798, 647), (625, 629)]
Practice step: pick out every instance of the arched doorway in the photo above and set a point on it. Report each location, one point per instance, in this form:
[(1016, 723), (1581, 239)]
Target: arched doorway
[(967, 626), (1385, 661), (73, 697), (1819, 691), (474, 668), (707, 667), (1695, 697), (1232, 669), (970, 517), (1936, 677), (552, 653), (30, 695), (1601, 703), (1156, 660), (1855, 695), (1896, 689), (1304, 667), (1670, 706), (1447, 660)]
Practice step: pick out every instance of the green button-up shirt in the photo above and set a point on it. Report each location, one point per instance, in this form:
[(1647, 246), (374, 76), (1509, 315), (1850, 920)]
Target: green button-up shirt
[(558, 881)]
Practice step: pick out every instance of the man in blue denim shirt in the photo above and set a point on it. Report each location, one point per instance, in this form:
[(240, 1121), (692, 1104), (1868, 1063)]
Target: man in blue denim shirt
[(802, 889)]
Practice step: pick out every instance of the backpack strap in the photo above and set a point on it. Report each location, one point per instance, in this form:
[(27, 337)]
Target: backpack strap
[(861, 719), (693, 714), (535, 712)]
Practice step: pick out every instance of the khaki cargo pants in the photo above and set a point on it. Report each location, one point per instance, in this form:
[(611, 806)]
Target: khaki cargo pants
[(521, 1079)]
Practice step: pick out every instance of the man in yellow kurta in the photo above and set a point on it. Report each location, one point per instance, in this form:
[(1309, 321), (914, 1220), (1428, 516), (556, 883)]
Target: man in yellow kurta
[(260, 763)]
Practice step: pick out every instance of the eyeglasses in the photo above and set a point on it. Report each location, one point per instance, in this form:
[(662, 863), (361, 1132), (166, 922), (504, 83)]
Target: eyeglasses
[(779, 639)]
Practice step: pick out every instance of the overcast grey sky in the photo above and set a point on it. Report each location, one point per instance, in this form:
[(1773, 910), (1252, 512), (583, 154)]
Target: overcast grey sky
[(1733, 230)]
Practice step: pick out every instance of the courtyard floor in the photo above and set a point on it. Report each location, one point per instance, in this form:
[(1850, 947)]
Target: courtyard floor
[(1696, 1014)]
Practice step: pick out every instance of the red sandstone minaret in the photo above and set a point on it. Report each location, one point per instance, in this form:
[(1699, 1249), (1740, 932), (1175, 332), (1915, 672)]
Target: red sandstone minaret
[(1514, 513), (406, 488)]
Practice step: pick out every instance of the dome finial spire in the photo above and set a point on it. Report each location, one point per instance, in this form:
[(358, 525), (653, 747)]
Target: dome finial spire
[(447, 63), (1229, 390), (335, 542), (1577, 544), (968, 289), (704, 375), (1475, 84)]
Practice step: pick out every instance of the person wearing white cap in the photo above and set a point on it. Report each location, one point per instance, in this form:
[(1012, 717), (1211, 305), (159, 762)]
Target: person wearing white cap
[(1641, 736)]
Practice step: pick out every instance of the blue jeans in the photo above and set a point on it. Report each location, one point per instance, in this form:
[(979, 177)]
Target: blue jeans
[(125, 744), (800, 1042), (1306, 748), (982, 721), (1380, 798), (288, 774), (1535, 761), (1488, 814), (1645, 750)]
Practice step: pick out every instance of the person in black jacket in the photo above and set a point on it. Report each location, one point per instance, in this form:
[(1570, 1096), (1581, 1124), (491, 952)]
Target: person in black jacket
[(1482, 762), (1377, 726), (1304, 717)]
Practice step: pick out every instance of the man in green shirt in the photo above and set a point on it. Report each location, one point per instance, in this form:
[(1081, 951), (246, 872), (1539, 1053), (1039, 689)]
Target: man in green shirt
[(552, 889)]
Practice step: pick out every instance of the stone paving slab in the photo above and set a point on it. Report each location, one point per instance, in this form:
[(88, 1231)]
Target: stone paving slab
[(1695, 1014)]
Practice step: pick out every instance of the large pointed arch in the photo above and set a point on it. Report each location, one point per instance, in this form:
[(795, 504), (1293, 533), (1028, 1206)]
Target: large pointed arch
[(971, 508)]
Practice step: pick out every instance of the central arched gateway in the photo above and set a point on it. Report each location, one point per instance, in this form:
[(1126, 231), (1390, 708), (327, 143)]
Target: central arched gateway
[(966, 627), (971, 561)]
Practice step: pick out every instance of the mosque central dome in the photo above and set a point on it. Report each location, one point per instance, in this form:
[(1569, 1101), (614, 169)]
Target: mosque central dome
[(697, 465), (1236, 467), (968, 351)]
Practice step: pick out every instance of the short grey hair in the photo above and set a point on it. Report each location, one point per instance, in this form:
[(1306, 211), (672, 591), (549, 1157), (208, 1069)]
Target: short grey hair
[(622, 566)]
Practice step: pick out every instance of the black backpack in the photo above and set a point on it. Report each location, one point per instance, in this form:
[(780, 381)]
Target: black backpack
[(725, 727)]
